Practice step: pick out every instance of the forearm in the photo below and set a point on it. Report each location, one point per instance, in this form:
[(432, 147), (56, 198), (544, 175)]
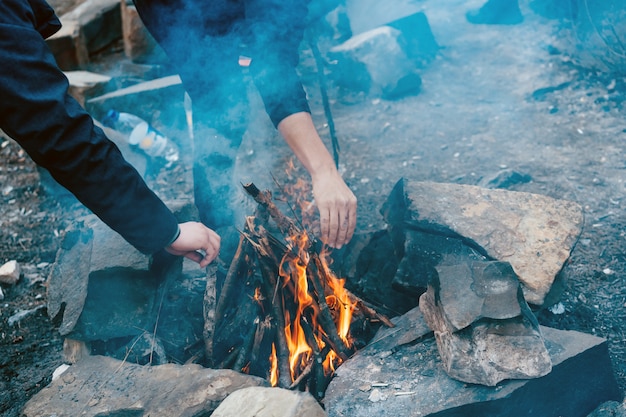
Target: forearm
[(335, 201), (301, 135)]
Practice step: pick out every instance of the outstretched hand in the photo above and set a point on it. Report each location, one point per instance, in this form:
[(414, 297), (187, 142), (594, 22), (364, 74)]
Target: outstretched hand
[(337, 209), (335, 201), (196, 242)]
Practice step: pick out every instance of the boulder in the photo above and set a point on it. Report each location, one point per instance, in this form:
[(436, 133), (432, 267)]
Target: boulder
[(376, 63), (268, 402), (532, 232), (105, 292), (100, 385), (399, 374)]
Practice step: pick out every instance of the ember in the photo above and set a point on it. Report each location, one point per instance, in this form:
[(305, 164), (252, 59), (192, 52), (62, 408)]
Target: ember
[(297, 321)]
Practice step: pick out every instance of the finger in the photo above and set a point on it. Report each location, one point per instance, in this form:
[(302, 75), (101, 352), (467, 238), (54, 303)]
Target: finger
[(344, 224), (195, 256), (207, 260), (211, 253), (325, 224), (334, 225), (351, 222)]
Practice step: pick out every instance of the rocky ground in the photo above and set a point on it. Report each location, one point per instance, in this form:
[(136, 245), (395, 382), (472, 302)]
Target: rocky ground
[(496, 98)]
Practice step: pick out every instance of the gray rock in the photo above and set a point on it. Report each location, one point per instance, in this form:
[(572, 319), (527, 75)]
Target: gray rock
[(99, 385), (534, 233), (376, 63), (399, 374), (505, 179), (372, 274), (111, 291), (488, 351), (610, 409), (365, 15), (419, 40), (69, 278), (10, 272), (468, 292), (268, 402)]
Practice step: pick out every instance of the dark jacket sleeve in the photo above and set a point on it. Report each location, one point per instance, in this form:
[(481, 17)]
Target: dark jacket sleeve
[(58, 134), (277, 29)]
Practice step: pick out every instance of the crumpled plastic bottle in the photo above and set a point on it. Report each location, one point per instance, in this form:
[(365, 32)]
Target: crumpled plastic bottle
[(140, 134)]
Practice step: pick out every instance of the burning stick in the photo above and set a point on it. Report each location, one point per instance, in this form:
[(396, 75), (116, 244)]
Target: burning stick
[(244, 351), (240, 267), (326, 318), (368, 311), (285, 224), (278, 315)]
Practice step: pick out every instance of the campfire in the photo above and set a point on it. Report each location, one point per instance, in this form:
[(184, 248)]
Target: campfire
[(282, 313)]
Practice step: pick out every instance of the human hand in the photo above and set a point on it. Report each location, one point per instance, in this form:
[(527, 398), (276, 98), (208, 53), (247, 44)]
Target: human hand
[(337, 209), (196, 242), (334, 200)]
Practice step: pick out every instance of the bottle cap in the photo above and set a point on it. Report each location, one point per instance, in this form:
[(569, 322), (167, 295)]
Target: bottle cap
[(111, 117)]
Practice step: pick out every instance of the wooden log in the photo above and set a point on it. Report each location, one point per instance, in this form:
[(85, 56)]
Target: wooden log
[(306, 373), (265, 332), (278, 316), (264, 198), (229, 361), (245, 351), (240, 267), (368, 311), (325, 317)]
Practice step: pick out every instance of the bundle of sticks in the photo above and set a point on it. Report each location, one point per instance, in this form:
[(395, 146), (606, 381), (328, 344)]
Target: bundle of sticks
[(286, 327)]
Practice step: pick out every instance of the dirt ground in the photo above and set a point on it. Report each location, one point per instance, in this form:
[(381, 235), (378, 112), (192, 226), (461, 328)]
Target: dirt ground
[(495, 98)]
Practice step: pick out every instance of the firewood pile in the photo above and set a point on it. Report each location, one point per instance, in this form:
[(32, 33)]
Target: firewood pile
[(282, 314)]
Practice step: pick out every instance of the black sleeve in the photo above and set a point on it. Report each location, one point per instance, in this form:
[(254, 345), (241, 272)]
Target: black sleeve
[(277, 29), (58, 134)]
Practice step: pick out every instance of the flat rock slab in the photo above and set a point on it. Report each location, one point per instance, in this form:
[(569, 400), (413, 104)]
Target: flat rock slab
[(400, 374), (488, 351), (534, 233), (269, 402), (103, 386)]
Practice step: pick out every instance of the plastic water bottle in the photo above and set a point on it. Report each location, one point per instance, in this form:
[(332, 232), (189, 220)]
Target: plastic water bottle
[(140, 134)]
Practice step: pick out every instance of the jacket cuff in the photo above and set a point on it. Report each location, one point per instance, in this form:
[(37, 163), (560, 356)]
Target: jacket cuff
[(176, 236)]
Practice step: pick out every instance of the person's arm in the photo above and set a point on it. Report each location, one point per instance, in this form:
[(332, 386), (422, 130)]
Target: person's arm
[(58, 134), (277, 28), (335, 201)]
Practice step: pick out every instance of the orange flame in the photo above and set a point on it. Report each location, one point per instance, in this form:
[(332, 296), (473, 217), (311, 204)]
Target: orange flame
[(293, 270), (273, 367)]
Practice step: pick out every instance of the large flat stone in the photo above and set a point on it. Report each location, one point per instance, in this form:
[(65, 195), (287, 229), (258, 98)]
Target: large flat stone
[(534, 233), (103, 386), (269, 402), (400, 374)]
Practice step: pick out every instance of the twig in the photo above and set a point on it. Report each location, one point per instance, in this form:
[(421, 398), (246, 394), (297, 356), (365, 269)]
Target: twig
[(277, 313), (325, 317), (246, 347)]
